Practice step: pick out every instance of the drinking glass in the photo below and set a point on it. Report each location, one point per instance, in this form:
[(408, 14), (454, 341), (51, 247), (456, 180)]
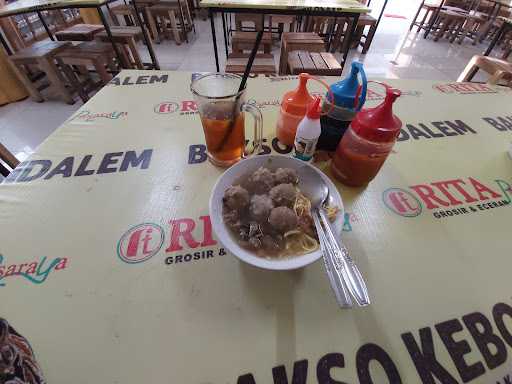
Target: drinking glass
[(221, 108)]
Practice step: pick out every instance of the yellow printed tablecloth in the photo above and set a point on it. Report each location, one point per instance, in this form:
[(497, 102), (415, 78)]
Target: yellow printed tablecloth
[(352, 6), (110, 270)]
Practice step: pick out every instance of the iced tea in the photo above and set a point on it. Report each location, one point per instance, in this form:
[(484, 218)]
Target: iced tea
[(225, 138)]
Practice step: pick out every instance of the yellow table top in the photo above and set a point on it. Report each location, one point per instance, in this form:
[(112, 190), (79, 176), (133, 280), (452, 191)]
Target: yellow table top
[(22, 6), (338, 5), (111, 271)]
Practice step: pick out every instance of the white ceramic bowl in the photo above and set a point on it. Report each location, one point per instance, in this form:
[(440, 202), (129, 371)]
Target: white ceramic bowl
[(246, 167)]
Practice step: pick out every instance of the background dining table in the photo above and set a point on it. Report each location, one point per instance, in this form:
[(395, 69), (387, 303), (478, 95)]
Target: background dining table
[(110, 269)]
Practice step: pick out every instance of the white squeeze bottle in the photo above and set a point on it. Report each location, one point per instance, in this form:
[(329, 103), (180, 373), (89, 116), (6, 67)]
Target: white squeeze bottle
[(308, 132)]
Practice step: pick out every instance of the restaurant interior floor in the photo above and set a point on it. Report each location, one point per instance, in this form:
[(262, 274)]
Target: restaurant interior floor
[(394, 53)]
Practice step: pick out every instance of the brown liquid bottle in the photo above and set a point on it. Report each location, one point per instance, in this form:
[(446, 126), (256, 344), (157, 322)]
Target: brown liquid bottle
[(367, 143)]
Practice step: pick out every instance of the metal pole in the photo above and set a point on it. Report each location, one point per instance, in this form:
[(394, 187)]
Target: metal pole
[(225, 34), (381, 13), (348, 39), (434, 19), (45, 26), (145, 36), (413, 23), (110, 37), (214, 38)]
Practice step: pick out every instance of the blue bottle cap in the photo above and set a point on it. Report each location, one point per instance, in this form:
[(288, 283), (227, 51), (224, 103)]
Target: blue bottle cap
[(345, 91)]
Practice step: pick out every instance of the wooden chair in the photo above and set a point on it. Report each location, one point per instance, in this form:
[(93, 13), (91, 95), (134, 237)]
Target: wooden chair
[(314, 63), (164, 16), (79, 32), (298, 41), (263, 63), (42, 56), (499, 70), (244, 41), (430, 10), (126, 38), (170, 12), (127, 12), (8, 158), (319, 25), (472, 26), (100, 56), (282, 21), (449, 23), (256, 21)]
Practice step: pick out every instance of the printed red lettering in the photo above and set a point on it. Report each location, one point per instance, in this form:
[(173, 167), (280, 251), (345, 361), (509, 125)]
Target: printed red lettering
[(186, 233), (188, 105), (481, 189), (31, 268), (443, 187), (207, 232), (62, 263), (427, 194), (20, 267)]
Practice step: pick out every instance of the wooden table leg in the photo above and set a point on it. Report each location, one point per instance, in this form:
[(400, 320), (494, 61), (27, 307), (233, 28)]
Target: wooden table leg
[(135, 53), (56, 79), (31, 88), (174, 28)]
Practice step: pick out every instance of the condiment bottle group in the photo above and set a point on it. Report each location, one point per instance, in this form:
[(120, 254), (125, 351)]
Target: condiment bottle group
[(367, 143)]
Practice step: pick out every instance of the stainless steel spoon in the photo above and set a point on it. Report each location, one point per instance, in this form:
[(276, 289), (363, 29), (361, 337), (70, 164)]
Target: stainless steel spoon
[(314, 187)]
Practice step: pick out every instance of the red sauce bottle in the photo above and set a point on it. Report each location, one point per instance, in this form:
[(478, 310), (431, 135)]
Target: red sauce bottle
[(367, 143)]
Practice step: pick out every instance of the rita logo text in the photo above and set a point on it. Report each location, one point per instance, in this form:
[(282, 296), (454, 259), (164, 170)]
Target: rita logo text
[(447, 198)]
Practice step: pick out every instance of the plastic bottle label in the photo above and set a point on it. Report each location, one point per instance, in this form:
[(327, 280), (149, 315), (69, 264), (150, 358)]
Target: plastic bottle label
[(305, 148)]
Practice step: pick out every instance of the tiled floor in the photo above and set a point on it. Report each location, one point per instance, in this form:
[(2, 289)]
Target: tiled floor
[(395, 53)]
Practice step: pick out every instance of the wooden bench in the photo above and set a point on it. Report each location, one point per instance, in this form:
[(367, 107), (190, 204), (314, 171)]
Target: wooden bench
[(498, 69), (314, 63), (263, 63), (100, 56), (244, 41), (79, 32), (298, 41), (126, 38), (42, 56)]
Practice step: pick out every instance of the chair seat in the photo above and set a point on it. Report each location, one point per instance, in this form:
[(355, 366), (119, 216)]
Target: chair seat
[(122, 9), (250, 37), (121, 33), (314, 63), (79, 32), (87, 50), (40, 49), (263, 63)]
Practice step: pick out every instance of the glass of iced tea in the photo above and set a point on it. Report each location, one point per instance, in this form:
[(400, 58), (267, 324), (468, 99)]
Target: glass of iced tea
[(221, 108)]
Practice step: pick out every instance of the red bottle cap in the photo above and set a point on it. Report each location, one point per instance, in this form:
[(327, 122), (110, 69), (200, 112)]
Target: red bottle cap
[(296, 102), (314, 109), (379, 124)]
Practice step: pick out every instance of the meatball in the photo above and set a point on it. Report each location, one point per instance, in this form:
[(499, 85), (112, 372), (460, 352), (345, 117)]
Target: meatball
[(236, 197), (283, 195), (232, 220), (260, 181), (260, 207), (271, 244), (286, 176), (283, 219)]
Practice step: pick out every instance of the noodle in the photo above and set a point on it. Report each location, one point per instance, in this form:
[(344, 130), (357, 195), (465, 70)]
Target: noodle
[(299, 242)]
